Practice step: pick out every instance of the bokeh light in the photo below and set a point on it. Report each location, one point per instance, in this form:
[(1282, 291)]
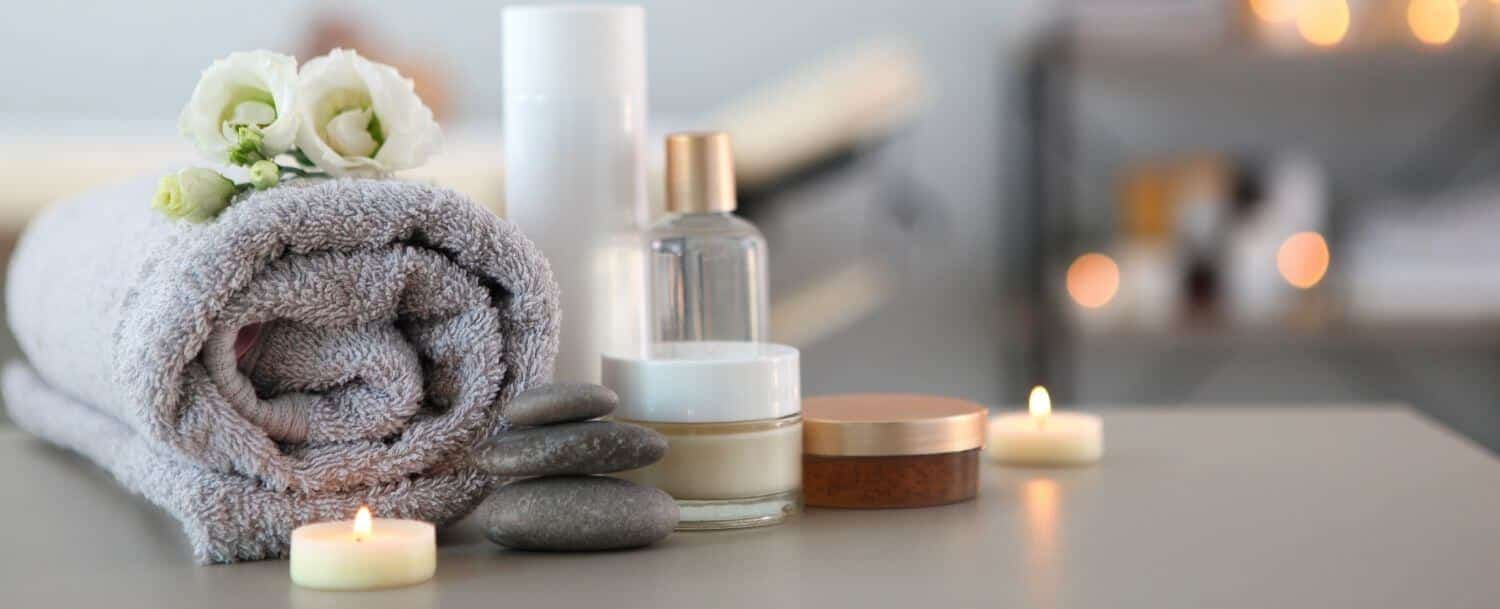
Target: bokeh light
[(1323, 22), (1303, 259), (1093, 280), (1276, 11), (1434, 22)]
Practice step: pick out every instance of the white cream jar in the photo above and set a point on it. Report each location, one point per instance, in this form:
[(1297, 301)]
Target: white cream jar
[(732, 415)]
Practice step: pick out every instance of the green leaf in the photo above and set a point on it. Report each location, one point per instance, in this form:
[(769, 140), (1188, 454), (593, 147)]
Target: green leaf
[(302, 159), (377, 133), (375, 130)]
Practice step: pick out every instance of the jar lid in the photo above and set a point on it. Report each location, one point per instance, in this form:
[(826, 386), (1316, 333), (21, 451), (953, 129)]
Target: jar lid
[(706, 382), (870, 425)]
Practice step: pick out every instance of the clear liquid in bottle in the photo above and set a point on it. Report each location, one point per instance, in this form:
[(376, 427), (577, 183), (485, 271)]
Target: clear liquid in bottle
[(708, 279), (707, 266)]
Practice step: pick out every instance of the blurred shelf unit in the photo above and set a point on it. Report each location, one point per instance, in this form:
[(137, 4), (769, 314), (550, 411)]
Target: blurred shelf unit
[(1232, 193)]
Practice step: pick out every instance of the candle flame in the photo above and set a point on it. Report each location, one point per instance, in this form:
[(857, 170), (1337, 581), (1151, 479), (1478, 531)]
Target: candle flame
[(362, 523), (1040, 404)]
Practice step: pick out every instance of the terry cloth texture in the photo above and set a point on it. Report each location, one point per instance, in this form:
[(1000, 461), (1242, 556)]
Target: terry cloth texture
[(381, 326)]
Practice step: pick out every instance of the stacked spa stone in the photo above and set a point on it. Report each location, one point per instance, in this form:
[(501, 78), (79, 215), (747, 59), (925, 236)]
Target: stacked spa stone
[(561, 503)]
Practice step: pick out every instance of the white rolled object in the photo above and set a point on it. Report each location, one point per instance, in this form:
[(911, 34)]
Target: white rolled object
[(575, 125)]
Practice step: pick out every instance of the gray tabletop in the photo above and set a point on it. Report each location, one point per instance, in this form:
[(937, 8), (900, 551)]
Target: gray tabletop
[(1216, 508)]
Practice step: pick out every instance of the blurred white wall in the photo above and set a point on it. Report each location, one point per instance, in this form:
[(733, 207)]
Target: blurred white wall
[(137, 61)]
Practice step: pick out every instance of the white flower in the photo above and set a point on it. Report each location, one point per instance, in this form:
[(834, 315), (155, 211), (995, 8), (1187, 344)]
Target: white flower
[(363, 118), (255, 89)]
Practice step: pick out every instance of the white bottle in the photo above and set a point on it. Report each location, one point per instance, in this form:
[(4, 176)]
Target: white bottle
[(575, 178)]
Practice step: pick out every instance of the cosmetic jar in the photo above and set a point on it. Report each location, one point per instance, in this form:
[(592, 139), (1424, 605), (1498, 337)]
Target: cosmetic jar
[(732, 415), (890, 451)]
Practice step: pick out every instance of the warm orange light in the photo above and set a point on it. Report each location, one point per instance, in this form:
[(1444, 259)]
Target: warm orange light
[(1434, 22), (1275, 11), (1040, 500), (1040, 496), (1093, 280), (362, 524), (1040, 404), (1303, 259), (1323, 22)]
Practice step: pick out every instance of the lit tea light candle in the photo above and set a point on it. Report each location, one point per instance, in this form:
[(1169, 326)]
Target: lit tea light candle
[(1042, 437), (363, 553)]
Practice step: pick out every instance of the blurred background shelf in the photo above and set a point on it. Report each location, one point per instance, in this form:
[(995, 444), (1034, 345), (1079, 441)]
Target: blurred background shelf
[(1166, 181)]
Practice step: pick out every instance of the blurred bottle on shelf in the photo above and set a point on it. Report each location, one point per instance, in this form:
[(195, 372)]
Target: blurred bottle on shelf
[(1201, 241), (1287, 198)]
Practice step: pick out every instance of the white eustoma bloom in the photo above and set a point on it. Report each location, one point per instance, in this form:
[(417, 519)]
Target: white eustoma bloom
[(255, 89), (360, 117)]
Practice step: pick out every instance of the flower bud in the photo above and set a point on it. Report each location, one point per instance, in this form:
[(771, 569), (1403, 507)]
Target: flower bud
[(264, 174), (194, 194), (247, 147)]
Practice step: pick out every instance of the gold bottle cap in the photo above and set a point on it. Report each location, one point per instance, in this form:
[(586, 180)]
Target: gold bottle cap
[(890, 424), (700, 173)]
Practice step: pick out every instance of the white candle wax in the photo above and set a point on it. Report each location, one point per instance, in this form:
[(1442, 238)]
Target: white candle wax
[(1042, 437), (363, 554)]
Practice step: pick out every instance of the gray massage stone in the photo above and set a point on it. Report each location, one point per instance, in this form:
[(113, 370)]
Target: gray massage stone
[(577, 514), (590, 447), (561, 403)]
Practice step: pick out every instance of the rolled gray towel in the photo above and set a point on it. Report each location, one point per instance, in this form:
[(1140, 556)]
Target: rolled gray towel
[(321, 345)]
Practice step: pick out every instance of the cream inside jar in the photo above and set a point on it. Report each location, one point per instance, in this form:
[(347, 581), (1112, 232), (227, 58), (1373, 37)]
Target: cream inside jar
[(731, 412)]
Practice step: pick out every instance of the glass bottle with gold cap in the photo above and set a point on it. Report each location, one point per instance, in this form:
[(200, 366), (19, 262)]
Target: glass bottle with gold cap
[(708, 266)]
